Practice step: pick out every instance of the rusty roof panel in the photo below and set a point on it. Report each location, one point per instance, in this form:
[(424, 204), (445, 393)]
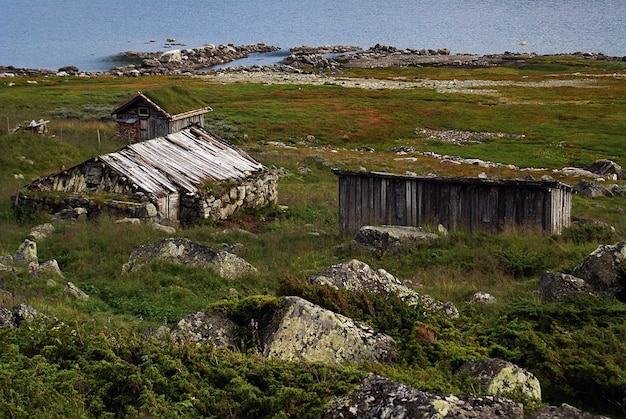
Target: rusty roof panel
[(180, 161)]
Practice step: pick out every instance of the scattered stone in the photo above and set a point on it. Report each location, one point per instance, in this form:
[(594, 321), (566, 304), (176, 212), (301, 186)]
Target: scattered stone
[(71, 214), (127, 220), (41, 231), (73, 291), (307, 332), (26, 254), (356, 276), (184, 251), (482, 297), (499, 377), (166, 229), (602, 270), (555, 286), (378, 397), (200, 327), (378, 241)]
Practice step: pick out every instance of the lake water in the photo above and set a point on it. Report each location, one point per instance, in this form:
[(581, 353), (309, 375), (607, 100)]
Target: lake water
[(52, 34)]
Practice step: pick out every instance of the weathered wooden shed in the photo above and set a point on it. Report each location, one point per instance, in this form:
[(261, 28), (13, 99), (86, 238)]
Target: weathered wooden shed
[(187, 175), (158, 112), (471, 204)]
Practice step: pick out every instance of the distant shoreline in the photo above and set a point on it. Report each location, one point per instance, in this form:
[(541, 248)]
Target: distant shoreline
[(300, 60)]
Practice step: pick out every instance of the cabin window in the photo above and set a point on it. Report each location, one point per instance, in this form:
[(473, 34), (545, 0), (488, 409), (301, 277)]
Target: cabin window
[(143, 111)]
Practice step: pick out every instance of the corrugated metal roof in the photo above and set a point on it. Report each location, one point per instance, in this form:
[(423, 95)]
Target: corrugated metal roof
[(180, 161)]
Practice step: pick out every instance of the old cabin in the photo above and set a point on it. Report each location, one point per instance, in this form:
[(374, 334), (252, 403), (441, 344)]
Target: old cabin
[(158, 112), (185, 175), (471, 204)]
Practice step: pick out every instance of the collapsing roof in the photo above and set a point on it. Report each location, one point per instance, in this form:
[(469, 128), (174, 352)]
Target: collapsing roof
[(178, 162)]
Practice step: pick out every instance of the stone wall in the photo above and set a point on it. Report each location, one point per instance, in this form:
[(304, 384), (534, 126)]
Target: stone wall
[(225, 199), (255, 191)]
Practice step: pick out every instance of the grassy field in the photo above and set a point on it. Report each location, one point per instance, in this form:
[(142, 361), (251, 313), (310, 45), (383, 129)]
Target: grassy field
[(575, 348)]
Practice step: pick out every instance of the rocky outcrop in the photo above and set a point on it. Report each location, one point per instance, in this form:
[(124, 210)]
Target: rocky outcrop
[(603, 270), (308, 332), (378, 241), (499, 377), (377, 397), (6, 318), (201, 327), (185, 252), (555, 286), (355, 275)]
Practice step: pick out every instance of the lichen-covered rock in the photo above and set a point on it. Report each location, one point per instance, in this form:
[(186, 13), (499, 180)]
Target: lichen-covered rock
[(305, 331), (564, 411), (355, 275), (389, 240), (186, 252), (26, 254), (50, 266), (201, 327), (6, 318), (555, 286), (41, 231), (377, 397), (602, 269), (592, 189), (499, 377), (482, 297), (73, 291), (23, 313)]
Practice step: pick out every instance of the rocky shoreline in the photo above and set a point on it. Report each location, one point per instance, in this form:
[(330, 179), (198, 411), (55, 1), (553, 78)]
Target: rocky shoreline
[(302, 59)]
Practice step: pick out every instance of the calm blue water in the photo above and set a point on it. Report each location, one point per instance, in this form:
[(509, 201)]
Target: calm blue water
[(51, 34)]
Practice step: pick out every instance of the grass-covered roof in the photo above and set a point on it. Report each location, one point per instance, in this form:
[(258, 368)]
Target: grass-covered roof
[(175, 99)]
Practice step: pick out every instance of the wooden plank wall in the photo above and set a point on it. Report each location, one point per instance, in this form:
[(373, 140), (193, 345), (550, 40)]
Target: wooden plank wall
[(456, 203)]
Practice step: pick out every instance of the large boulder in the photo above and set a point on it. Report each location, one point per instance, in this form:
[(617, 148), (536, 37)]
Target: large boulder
[(355, 275), (186, 252), (303, 331), (499, 377), (603, 270), (201, 327), (608, 169), (592, 189), (555, 286), (389, 240), (377, 397)]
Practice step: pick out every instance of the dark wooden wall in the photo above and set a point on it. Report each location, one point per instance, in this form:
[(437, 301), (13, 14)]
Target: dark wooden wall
[(456, 203)]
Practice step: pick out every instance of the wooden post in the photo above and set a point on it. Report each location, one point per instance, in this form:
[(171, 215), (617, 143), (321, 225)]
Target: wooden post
[(98, 138)]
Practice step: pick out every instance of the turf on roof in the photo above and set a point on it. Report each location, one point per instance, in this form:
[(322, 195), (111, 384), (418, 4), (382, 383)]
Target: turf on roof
[(175, 99)]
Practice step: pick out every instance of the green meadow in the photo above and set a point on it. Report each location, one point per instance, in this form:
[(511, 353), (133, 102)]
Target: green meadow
[(98, 358)]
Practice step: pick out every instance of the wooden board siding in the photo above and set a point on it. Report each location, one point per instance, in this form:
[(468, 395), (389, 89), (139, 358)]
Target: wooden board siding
[(456, 203)]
